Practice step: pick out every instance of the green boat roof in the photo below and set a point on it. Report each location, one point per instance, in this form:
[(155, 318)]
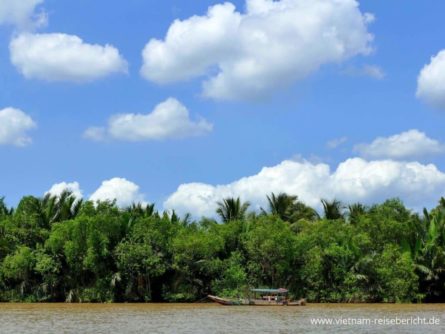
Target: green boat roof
[(281, 290)]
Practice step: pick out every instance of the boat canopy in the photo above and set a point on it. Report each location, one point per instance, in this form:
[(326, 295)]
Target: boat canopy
[(276, 291)]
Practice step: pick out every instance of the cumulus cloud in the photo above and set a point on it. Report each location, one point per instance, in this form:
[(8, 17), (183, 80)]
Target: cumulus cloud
[(123, 191), (14, 127), (95, 133), (406, 145), (354, 180), (372, 71), (58, 188), (61, 57), (170, 119), (336, 142), (431, 82), (249, 55), (22, 13)]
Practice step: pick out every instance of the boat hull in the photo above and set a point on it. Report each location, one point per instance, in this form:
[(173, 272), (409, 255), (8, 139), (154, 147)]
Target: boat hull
[(225, 301), (239, 302)]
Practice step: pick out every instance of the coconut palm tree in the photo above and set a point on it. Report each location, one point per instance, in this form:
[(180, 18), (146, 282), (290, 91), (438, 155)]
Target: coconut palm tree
[(289, 208), (59, 208), (232, 209), (302, 211), (429, 254), (138, 210), (332, 209), (355, 211), (281, 205)]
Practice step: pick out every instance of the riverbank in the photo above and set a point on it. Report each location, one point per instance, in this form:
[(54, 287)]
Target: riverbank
[(102, 253)]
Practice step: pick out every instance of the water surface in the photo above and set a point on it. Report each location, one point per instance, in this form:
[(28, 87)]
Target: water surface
[(212, 318)]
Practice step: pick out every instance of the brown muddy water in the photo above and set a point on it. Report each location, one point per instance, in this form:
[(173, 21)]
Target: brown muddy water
[(212, 318)]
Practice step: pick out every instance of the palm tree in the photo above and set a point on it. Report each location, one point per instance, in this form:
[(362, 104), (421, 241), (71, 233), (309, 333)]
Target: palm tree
[(302, 211), (332, 209), (281, 205), (429, 253), (232, 209), (355, 211), (289, 208), (138, 210), (59, 208), (173, 217)]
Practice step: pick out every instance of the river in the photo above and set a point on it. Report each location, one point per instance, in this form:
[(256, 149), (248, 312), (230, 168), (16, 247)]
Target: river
[(212, 318)]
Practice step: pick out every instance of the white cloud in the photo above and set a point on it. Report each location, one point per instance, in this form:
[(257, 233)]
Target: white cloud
[(123, 191), (21, 13), (374, 71), (336, 142), (61, 57), (406, 145), (170, 119), (14, 125), (95, 133), (250, 55), (431, 82), (354, 180), (58, 188)]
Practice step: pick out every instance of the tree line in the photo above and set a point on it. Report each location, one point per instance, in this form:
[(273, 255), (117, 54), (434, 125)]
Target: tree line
[(62, 249)]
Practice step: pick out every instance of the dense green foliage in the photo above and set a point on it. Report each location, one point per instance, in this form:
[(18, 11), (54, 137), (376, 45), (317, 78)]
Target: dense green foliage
[(61, 249)]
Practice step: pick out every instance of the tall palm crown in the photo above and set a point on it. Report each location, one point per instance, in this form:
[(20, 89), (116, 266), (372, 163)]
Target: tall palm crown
[(355, 211), (289, 208), (140, 210), (281, 205), (429, 253), (66, 206), (332, 209), (232, 209)]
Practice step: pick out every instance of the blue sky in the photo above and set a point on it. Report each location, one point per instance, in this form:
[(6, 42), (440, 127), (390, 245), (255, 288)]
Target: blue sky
[(358, 98)]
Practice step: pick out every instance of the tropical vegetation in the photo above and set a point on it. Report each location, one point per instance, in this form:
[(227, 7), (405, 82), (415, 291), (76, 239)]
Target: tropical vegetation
[(59, 248)]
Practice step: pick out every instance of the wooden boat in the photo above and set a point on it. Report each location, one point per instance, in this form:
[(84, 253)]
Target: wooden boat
[(226, 301), (261, 297)]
